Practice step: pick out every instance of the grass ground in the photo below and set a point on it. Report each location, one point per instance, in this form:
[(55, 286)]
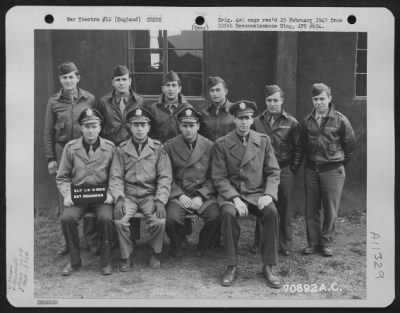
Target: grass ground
[(192, 277)]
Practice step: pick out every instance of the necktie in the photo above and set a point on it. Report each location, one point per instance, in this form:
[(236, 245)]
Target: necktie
[(139, 148), (272, 121), (171, 108), (90, 152), (122, 105), (244, 141), (190, 146), (319, 120)]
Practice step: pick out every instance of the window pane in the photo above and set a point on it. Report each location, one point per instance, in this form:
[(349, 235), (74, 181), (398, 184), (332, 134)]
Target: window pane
[(185, 60), (361, 61), (148, 84), (145, 39), (147, 60), (191, 84), (361, 85), (185, 40), (362, 41)]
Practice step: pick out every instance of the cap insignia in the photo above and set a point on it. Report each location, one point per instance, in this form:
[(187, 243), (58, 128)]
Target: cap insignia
[(242, 106)]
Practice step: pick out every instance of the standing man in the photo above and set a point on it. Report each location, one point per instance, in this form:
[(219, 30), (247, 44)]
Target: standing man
[(116, 105), (140, 181), (245, 174), (61, 125), (165, 124), (86, 162), (216, 119), (192, 189), (329, 141), (284, 131)]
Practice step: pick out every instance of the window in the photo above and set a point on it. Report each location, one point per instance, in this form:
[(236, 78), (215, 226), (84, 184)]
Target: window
[(151, 54), (361, 66)]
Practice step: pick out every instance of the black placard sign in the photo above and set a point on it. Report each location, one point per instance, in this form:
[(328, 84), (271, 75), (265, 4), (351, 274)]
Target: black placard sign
[(85, 194)]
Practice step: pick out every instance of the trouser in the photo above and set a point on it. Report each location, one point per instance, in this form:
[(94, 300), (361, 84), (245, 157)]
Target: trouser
[(69, 224), (89, 222), (269, 232), (156, 225), (285, 210), (175, 226), (322, 188)]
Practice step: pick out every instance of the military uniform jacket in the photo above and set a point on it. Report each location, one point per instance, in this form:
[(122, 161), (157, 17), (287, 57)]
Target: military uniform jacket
[(285, 138), (61, 123), (191, 169), (215, 123), (136, 176), (165, 126), (246, 172), (332, 142), (115, 126), (76, 168)]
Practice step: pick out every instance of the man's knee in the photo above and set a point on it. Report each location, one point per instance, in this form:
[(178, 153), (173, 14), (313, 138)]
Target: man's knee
[(270, 211), (228, 211)]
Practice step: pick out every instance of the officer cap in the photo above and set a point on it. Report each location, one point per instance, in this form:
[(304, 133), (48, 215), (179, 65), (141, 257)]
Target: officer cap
[(214, 80), (139, 114), (243, 107), (66, 68), (171, 76), (319, 88), (90, 115), (271, 89), (188, 114), (120, 70)]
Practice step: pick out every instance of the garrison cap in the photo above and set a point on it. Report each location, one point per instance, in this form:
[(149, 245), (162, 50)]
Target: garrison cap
[(243, 107), (214, 80), (319, 88), (120, 70), (271, 89), (171, 76), (66, 68), (139, 114), (90, 115), (188, 114)]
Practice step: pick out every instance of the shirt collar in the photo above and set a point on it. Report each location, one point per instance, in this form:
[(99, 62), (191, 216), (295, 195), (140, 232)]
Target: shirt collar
[(87, 146)]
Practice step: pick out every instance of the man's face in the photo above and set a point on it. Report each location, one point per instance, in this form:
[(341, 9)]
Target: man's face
[(121, 84), (243, 123), (189, 130), (218, 93), (321, 102), (90, 131), (69, 81), (171, 90), (139, 130), (274, 103)]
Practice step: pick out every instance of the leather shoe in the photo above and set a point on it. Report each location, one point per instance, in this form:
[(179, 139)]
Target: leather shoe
[(326, 251), (125, 265), (284, 252), (270, 277), (107, 270), (154, 262), (176, 251), (229, 276), (309, 250), (69, 269), (63, 250)]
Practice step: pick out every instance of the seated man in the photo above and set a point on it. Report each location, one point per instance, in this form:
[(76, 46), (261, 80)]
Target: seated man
[(140, 181), (192, 191), (245, 173), (86, 161)]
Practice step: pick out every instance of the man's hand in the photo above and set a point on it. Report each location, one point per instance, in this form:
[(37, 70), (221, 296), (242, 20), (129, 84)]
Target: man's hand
[(240, 206), (185, 201), (68, 201), (119, 208), (109, 199), (160, 209), (52, 167), (197, 202), (264, 201)]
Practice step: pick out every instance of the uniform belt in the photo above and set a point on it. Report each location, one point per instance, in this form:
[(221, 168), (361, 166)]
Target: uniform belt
[(323, 167)]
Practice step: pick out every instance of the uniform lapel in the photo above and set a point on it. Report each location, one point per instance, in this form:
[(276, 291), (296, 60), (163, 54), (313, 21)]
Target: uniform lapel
[(147, 150), (234, 145), (131, 150), (80, 150), (181, 149), (251, 148), (198, 151)]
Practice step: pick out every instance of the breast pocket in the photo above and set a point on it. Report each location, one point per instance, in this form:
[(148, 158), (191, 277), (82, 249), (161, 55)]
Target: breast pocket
[(60, 129), (332, 149)]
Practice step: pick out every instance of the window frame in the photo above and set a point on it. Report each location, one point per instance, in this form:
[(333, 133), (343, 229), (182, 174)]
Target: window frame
[(357, 97)]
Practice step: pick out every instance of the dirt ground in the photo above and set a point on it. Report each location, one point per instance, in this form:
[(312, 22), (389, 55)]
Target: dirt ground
[(342, 276)]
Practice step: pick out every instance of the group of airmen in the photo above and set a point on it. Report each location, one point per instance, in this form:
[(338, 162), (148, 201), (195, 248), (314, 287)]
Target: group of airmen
[(167, 160)]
